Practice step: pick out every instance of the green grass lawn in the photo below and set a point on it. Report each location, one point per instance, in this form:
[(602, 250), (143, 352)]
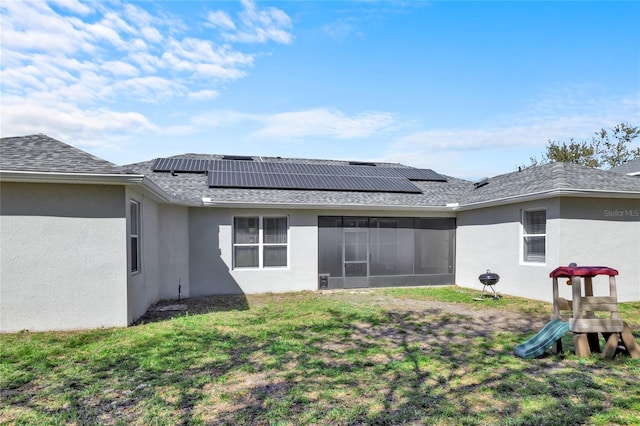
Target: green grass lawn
[(389, 356)]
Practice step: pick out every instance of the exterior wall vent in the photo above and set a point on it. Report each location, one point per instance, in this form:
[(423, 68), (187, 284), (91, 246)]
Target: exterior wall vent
[(323, 281)]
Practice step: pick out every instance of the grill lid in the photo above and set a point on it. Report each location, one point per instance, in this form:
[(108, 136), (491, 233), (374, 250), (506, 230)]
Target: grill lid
[(489, 278)]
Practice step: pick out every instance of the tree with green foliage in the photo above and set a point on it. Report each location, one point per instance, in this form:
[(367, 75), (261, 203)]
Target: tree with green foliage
[(606, 149)]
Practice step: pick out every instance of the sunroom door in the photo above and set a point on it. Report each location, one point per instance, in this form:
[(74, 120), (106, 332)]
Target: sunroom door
[(356, 258)]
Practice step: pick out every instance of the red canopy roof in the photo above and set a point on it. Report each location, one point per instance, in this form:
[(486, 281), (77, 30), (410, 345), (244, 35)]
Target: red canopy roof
[(582, 271)]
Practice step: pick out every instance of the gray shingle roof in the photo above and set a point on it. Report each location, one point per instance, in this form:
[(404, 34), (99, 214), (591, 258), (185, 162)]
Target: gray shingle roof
[(40, 153), (534, 180), (631, 166), (193, 187), (549, 177)]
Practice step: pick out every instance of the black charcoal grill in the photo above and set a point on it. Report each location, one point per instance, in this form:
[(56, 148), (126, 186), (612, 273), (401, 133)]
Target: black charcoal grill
[(489, 279)]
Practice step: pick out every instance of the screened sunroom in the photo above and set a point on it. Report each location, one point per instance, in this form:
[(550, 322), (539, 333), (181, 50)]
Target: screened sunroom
[(357, 252)]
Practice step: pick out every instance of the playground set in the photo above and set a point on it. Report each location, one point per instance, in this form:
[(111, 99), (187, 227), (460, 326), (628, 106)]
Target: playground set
[(581, 319)]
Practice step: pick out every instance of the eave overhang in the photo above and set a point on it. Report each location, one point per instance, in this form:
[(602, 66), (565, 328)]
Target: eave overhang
[(210, 202), (554, 193), (87, 179)]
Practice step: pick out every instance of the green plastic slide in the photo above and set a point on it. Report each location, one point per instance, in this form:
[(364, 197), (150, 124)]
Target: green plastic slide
[(546, 337)]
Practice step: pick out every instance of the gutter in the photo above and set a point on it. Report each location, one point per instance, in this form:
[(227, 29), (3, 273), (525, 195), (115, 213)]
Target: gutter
[(588, 193), (54, 177), (210, 202)]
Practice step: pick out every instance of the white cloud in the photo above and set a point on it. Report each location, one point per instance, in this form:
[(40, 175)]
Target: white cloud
[(256, 25), (151, 34), (203, 95), (221, 19), (318, 122), (73, 6), (67, 64), (121, 68), (150, 88), (324, 122), (511, 141), (67, 122)]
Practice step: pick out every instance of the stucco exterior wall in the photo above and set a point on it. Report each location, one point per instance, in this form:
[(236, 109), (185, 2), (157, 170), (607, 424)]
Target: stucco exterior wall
[(63, 262), (491, 238), (164, 266), (173, 249), (143, 286), (604, 232), (211, 244), (210, 253)]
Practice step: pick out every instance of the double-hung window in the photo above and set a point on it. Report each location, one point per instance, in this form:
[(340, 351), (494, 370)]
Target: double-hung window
[(260, 242), (534, 235), (134, 235)]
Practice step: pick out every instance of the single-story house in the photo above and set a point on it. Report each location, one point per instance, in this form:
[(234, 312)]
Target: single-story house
[(85, 243)]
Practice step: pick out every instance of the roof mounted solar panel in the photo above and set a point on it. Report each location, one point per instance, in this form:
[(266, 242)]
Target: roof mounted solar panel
[(327, 169), (419, 174), (239, 179), (184, 165)]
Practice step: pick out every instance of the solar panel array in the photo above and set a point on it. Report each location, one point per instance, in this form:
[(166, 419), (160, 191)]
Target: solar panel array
[(184, 165), (325, 169), (241, 179), (289, 175)]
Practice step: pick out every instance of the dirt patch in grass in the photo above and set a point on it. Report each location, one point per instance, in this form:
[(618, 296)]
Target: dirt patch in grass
[(485, 316), (193, 306)]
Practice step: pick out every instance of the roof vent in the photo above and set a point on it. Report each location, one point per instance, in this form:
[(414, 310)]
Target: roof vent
[(237, 157), (361, 163), (482, 182)]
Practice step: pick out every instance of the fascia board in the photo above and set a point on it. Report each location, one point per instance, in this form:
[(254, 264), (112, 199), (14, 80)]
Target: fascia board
[(587, 193), (209, 202)]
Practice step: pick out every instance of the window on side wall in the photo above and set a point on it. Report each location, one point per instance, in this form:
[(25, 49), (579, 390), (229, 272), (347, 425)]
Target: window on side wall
[(534, 235), (134, 235), (260, 242)]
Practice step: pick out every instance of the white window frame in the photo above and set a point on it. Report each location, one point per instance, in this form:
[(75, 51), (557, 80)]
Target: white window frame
[(524, 235), (135, 237), (261, 244)]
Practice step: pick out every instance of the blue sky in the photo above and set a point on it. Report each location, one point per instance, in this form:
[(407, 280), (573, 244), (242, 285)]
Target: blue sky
[(469, 89)]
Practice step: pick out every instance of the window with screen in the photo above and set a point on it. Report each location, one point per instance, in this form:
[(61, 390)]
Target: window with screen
[(534, 235), (260, 242), (134, 235)]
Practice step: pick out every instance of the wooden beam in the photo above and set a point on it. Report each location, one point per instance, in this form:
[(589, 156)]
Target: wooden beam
[(610, 347), (595, 325), (630, 342), (592, 303)]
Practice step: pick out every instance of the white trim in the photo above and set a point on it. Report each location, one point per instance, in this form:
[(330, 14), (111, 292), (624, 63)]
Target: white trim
[(523, 236), (534, 196), (211, 202), (137, 236), (55, 177), (260, 244)]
